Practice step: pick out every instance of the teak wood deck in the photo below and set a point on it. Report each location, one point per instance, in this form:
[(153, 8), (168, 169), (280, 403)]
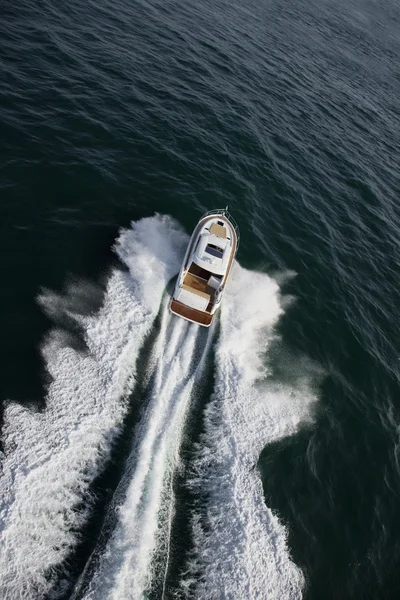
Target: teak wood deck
[(191, 314), (196, 285)]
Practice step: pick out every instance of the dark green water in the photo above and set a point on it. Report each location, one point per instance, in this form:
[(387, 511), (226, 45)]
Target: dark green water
[(289, 113)]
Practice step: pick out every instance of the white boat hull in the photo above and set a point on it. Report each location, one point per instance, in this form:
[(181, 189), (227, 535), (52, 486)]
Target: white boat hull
[(206, 268)]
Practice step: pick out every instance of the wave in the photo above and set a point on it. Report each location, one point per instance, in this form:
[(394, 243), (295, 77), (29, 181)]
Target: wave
[(51, 457), (144, 504), (240, 547)]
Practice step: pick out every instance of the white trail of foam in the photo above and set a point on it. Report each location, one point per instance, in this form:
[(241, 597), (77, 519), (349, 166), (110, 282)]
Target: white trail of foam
[(124, 569), (240, 546), (52, 457)]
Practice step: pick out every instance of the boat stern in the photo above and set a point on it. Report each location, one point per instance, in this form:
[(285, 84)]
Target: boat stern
[(191, 314)]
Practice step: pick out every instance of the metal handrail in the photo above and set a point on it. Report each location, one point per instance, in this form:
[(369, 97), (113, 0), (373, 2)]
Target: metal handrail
[(227, 214)]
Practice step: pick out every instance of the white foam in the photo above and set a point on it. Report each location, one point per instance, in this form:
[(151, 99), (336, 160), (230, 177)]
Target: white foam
[(240, 546), (52, 457), (144, 516)]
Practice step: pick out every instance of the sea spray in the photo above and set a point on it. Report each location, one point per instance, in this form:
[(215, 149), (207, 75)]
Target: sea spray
[(240, 549), (52, 457), (144, 501)]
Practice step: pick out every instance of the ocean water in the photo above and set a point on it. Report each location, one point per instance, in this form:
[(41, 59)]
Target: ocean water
[(143, 457)]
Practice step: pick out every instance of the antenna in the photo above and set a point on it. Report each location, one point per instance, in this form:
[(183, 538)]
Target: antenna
[(226, 208)]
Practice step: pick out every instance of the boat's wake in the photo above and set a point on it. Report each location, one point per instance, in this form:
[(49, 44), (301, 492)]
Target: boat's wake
[(240, 546), (143, 504), (53, 457)]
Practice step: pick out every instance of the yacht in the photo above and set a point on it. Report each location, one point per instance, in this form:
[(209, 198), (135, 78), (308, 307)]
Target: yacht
[(206, 268)]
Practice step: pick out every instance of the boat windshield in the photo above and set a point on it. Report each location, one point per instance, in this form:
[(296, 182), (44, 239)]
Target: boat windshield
[(214, 250)]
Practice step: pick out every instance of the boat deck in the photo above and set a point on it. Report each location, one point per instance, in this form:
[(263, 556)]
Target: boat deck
[(195, 284), (191, 314), (200, 281)]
